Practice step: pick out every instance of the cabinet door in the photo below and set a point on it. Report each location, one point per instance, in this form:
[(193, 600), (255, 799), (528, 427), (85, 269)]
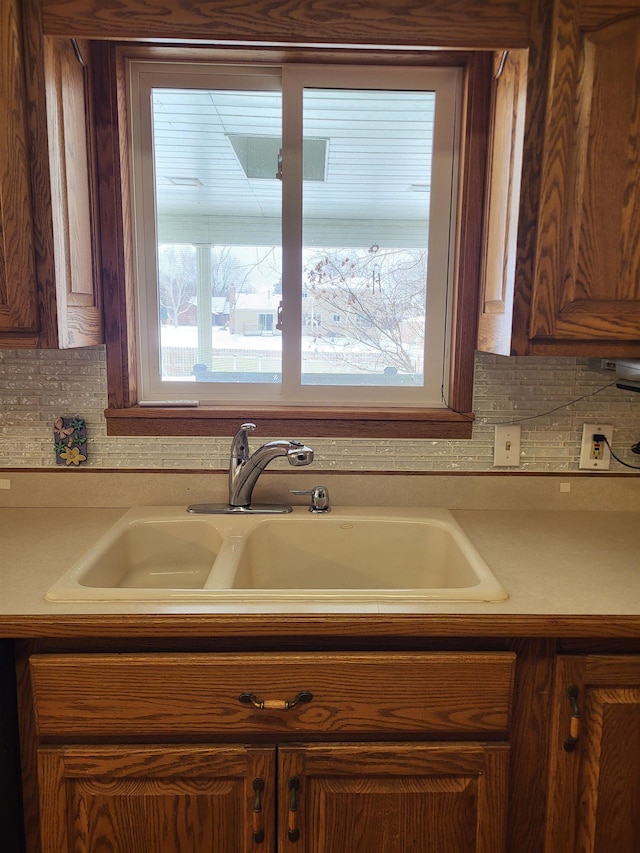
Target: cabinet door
[(576, 280), (157, 799), (18, 303), (586, 291), (594, 783), (503, 191), (67, 64), (396, 798)]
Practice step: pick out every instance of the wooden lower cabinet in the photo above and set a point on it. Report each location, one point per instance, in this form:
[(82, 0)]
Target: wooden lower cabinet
[(390, 752), (268, 752), (316, 798), (594, 781), (154, 799), (427, 798)]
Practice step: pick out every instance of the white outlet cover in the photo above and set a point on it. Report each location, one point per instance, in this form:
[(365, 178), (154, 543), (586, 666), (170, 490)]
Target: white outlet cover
[(585, 449)]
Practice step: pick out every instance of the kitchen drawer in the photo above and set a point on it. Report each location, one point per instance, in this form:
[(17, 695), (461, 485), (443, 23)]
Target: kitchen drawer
[(158, 695)]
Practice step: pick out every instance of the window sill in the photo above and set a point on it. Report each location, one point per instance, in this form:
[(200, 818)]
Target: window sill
[(314, 422)]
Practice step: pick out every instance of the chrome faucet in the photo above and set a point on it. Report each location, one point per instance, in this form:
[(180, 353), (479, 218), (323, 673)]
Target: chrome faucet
[(245, 469)]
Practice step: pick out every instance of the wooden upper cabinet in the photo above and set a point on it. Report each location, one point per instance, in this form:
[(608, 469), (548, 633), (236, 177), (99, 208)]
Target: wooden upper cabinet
[(587, 270), (18, 299), (465, 24), (501, 208), (49, 262), (72, 165), (577, 278)]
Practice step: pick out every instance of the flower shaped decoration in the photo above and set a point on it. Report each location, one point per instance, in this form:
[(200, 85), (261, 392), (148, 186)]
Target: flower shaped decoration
[(73, 456), (70, 441)]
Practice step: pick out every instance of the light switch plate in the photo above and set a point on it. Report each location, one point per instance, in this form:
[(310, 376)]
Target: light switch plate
[(506, 448)]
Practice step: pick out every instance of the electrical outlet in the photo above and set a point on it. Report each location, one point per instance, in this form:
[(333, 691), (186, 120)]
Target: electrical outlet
[(506, 448), (595, 454)]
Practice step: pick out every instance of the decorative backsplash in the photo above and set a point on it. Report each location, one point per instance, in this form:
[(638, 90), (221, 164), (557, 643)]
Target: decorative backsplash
[(39, 386)]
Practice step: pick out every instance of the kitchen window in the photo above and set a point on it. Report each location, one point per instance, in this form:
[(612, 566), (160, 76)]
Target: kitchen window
[(254, 185), (300, 232)]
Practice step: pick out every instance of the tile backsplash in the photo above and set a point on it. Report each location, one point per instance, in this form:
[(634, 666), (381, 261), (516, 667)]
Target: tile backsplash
[(38, 386)]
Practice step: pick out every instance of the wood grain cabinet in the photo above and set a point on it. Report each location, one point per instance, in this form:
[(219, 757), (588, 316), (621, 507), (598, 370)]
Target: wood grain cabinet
[(562, 221), (287, 752), (224, 799), (576, 281), (49, 265), (393, 797), (594, 782), (18, 296), (138, 799)]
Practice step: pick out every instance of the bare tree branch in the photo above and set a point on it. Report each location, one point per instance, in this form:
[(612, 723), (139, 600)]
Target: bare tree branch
[(375, 297)]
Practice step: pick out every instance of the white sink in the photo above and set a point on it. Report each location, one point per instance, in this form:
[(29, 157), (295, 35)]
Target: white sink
[(171, 553), (355, 554), (350, 554)]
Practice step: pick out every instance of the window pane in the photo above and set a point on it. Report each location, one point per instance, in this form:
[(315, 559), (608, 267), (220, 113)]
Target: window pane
[(330, 223), (218, 210), (365, 233)]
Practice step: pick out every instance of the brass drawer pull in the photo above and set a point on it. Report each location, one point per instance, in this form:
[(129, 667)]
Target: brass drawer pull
[(293, 832), (574, 729), (258, 825), (275, 704)]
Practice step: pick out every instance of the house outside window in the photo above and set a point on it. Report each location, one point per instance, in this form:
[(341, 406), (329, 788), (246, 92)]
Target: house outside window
[(272, 197)]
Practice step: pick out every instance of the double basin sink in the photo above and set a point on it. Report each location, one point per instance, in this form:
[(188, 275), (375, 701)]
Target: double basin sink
[(350, 554)]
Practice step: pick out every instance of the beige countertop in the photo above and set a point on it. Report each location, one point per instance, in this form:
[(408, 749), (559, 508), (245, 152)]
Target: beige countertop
[(568, 573)]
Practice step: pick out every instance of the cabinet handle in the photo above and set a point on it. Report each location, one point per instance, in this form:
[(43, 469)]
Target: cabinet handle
[(293, 832), (574, 730), (275, 704), (258, 819)]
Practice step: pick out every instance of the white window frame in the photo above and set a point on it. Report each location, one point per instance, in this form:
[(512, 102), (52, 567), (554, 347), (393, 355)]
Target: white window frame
[(143, 75)]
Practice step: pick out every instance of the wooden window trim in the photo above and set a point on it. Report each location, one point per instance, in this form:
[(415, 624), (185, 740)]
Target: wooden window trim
[(125, 417)]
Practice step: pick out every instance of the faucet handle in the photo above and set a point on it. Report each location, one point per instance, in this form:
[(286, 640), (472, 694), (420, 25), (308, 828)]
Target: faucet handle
[(240, 444), (319, 498)]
